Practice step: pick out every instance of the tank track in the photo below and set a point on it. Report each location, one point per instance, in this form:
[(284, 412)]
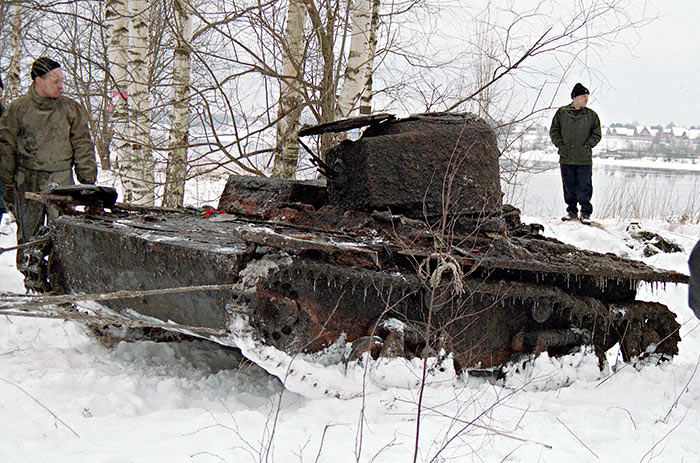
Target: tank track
[(33, 262)]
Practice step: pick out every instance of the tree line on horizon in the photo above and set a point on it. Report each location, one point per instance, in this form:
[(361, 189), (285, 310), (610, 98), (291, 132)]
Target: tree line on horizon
[(175, 89)]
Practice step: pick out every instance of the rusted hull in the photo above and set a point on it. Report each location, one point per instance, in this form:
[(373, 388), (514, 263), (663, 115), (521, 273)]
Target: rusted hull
[(406, 250), (312, 297)]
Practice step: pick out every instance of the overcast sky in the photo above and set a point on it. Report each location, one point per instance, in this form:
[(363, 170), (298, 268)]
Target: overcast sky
[(658, 80)]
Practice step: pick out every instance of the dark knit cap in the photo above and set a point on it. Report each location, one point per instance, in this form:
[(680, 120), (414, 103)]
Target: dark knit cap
[(579, 90), (43, 66)]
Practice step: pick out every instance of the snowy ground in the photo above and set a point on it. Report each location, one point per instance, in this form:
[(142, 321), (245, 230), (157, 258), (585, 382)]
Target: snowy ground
[(66, 398)]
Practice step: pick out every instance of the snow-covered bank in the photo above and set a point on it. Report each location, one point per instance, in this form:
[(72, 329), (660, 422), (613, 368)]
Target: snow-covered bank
[(65, 398)]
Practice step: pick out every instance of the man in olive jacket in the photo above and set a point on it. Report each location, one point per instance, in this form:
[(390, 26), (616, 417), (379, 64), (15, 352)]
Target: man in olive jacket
[(575, 131), (43, 137)]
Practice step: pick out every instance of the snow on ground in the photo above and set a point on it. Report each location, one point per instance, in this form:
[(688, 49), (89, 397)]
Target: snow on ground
[(66, 398)]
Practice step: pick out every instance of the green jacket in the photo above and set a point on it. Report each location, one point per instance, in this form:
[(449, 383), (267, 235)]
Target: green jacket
[(575, 132), (47, 135)]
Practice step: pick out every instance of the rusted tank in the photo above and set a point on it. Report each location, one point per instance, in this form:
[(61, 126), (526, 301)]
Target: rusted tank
[(404, 250)]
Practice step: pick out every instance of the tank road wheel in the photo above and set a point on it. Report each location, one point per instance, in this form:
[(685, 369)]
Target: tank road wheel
[(653, 335), (33, 262)]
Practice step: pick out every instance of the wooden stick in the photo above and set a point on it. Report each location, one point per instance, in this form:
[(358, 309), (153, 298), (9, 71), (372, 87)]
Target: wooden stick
[(70, 314), (35, 306), (28, 302), (26, 245)]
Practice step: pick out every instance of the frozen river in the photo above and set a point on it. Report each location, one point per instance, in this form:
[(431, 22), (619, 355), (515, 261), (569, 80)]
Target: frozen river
[(645, 190)]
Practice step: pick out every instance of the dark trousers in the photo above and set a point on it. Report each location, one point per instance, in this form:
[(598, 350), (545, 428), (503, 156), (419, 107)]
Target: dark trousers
[(578, 187), (31, 215)]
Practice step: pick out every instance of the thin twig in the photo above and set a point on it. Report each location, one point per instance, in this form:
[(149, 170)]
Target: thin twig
[(628, 413), (577, 438), (683, 391), (472, 423), (664, 437), (42, 405)]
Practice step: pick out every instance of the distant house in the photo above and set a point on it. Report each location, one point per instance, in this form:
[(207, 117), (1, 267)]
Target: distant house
[(680, 132), (621, 131), (668, 133), (643, 131)]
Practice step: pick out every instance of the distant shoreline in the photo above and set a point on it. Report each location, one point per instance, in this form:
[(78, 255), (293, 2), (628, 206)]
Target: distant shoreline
[(603, 160)]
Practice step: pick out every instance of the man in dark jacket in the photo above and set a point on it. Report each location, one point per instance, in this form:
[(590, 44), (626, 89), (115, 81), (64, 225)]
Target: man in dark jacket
[(575, 131)]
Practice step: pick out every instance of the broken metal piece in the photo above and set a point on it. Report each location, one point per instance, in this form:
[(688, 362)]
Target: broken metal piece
[(344, 125)]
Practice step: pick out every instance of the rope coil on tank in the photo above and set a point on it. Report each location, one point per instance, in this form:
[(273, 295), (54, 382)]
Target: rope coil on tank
[(445, 262)]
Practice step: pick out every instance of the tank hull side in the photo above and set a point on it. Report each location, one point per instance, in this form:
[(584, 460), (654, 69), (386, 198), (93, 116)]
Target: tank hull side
[(104, 256)]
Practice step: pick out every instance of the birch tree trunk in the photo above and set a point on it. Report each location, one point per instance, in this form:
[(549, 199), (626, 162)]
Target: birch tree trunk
[(354, 77), (291, 98), (117, 19), (366, 98), (324, 29), (13, 77), (180, 122), (484, 70), (139, 167)]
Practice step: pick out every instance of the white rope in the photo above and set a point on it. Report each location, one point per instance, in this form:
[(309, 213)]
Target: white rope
[(445, 262)]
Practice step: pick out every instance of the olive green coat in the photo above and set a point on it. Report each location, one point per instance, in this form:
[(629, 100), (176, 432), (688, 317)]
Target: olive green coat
[(42, 140), (45, 135), (575, 132)]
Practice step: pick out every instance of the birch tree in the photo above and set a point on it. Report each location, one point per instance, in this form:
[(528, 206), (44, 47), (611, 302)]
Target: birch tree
[(16, 33), (359, 59), (138, 167), (366, 97), (291, 93), (180, 121), (117, 22)]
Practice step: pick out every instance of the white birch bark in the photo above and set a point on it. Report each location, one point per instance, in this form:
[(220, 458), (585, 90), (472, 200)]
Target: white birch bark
[(484, 71), (290, 102), (139, 167), (366, 98), (13, 77), (117, 21), (180, 121), (354, 78)]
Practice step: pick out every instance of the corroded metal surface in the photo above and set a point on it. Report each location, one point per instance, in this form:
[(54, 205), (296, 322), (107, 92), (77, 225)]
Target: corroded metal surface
[(314, 264), (343, 285), (419, 167)]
